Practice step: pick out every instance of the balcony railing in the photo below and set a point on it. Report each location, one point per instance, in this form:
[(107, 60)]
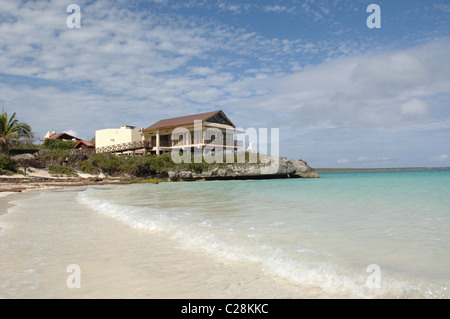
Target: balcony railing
[(123, 147), (171, 143)]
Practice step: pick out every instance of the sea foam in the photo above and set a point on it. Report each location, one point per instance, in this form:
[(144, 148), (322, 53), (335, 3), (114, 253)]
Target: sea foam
[(305, 267)]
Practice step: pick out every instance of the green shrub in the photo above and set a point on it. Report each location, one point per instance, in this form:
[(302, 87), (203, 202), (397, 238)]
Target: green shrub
[(23, 145), (153, 180), (138, 166), (56, 150), (109, 164), (6, 172), (7, 164), (56, 144), (88, 167), (61, 170), (143, 166), (162, 163)]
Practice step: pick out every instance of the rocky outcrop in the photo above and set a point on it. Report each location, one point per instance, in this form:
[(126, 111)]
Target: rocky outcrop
[(269, 168)]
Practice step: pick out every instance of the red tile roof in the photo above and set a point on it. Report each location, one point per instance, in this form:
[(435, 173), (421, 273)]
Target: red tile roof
[(86, 143), (184, 120), (61, 135)]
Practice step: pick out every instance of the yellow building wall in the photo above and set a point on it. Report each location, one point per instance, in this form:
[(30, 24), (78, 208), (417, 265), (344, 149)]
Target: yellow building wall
[(109, 137)]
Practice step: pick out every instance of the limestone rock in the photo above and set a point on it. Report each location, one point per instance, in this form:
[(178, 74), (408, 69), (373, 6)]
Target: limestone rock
[(271, 167), (101, 176)]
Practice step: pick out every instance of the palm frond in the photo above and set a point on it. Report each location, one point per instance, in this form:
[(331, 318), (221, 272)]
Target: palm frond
[(11, 129)]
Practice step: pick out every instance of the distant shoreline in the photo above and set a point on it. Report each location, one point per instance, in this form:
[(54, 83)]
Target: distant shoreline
[(42, 181), (376, 169)]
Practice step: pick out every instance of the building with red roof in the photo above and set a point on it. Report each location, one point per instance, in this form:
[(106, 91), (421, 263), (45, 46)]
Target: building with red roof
[(192, 131), (185, 132)]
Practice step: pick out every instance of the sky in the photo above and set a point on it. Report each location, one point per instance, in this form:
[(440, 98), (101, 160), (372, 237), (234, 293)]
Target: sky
[(341, 94)]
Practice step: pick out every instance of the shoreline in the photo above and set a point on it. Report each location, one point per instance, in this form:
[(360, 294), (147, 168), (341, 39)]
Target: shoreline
[(20, 184), (40, 180), (5, 202), (165, 264), (156, 267), (377, 169)]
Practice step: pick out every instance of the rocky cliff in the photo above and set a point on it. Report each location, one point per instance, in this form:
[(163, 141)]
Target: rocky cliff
[(270, 168)]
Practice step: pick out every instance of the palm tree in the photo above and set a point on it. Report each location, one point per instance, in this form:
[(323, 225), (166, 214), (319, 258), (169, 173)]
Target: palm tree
[(11, 129)]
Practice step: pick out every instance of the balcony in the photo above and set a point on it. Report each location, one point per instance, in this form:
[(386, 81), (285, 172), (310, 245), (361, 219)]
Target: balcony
[(180, 144), (149, 145)]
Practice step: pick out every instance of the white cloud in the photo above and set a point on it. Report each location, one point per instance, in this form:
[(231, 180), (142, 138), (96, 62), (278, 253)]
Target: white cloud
[(234, 8), (365, 160), (383, 90), (113, 43), (71, 132), (318, 10), (414, 108), (202, 71), (441, 158), (118, 51), (442, 7), (278, 9), (140, 66), (135, 56)]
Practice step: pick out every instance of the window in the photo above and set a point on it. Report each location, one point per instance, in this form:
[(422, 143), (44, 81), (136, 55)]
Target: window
[(218, 118)]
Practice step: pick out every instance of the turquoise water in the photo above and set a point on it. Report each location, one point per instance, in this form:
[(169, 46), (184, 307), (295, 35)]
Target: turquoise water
[(328, 233)]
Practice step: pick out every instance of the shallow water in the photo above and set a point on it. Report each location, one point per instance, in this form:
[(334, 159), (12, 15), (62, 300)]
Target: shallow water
[(318, 233), (346, 235), (46, 234)]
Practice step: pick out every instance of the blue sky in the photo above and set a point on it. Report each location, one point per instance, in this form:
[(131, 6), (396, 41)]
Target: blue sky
[(342, 95)]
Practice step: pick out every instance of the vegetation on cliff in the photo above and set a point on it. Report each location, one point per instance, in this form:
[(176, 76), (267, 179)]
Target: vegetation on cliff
[(140, 166)]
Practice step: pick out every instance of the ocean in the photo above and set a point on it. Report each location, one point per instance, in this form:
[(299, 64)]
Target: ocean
[(363, 234)]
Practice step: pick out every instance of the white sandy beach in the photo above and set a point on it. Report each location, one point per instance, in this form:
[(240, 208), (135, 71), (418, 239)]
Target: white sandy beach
[(40, 239)]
